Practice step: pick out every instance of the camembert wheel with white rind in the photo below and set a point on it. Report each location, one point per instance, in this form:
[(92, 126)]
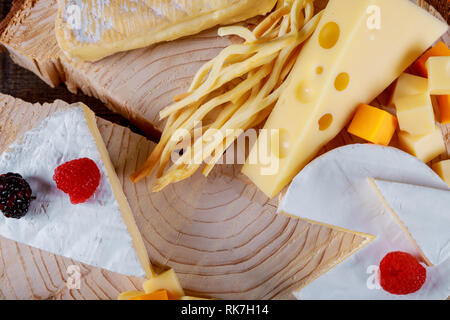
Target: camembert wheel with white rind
[(342, 177)]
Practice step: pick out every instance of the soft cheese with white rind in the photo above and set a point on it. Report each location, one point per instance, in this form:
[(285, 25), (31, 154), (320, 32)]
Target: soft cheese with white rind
[(424, 215), (93, 29), (350, 59), (95, 232), (334, 190)]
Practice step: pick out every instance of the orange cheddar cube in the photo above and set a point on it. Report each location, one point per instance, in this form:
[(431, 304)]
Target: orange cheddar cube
[(439, 50), (444, 108), (373, 124), (157, 295)]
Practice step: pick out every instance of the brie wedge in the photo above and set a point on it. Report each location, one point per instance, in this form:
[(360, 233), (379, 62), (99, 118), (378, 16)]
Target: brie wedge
[(93, 29), (100, 232), (334, 190), (424, 215)]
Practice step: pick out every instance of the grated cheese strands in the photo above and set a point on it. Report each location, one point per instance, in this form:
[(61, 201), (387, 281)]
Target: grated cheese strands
[(229, 94)]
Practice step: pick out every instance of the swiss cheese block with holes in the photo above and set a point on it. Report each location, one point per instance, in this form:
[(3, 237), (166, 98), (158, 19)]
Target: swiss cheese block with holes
[(359, 49)]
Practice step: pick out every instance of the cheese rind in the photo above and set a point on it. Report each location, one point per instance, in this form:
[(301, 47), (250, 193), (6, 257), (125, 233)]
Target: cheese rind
[(442, 168), (357, 63), (423, 215), (334, 189), (93, 29), (373, 124), (425, 147), (99, 232), (439, 75), (415, 114)]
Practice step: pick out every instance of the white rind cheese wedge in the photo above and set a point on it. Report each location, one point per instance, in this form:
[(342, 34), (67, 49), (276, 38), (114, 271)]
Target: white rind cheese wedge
[(334, 190), (358, 49), (93, 29), (424, 215), (100, 232)]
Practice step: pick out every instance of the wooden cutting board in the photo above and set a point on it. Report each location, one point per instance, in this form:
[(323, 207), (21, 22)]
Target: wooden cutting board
[(222, 236)]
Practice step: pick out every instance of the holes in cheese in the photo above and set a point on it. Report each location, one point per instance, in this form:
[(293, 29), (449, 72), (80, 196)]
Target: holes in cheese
[(319, 70), (439, 75), (280, 143), (341, 82), (373, 124), (304, 92), (415, 114), (329, 35), (425, 147), (325, 121)]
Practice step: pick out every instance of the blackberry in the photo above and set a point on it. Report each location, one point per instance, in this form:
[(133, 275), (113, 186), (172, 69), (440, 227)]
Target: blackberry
[(15, 195)]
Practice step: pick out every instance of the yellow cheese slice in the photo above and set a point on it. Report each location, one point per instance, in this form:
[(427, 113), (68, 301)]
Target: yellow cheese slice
[(167, 280), (357, 50), (93, 29)]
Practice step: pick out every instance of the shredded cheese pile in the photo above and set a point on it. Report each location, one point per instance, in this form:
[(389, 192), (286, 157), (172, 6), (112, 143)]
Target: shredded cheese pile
[(233, 92)]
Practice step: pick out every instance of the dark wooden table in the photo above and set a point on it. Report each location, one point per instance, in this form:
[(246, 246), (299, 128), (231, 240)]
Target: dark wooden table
[(23, 84)]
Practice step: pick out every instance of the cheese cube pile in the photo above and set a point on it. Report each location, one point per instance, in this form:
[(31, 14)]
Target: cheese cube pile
[(412, 98)]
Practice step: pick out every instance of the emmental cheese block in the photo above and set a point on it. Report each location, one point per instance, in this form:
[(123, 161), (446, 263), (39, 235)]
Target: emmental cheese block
[(423, 214), (335, 190), (100, 232), (349, 60), (93, 29)]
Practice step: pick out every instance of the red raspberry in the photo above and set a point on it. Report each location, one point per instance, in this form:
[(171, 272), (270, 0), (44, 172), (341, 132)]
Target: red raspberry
[(78, 178), (401, 273)]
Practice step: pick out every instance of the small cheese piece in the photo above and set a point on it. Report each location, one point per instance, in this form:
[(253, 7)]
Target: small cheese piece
[(408, 85), (415, 114), (100, 232), (192, 298), (344, 63), (439, 75), (440, 49), (373, 124), (425, 147), (157, 295), (93, 29), (129, 295), (333, 190), (423, 214), (442, 168), (444, 108), (167, 280)]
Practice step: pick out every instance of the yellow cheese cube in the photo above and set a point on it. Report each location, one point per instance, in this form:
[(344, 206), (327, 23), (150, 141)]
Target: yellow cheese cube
[(408, 85), (373, 124), (167, 280), (128, 295), (439, 75), (425, 147), (443, 170), (415, 114)]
